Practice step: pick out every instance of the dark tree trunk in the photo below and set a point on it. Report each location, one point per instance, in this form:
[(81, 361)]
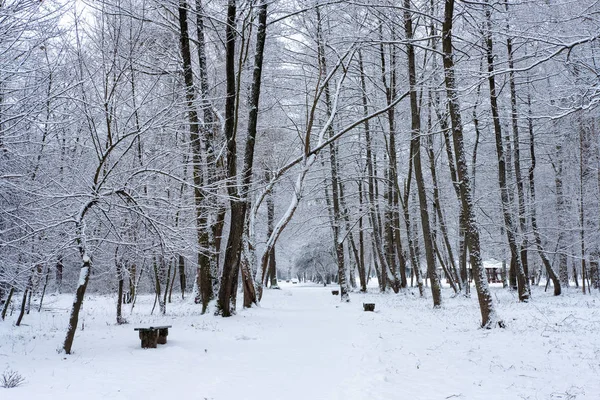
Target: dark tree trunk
[(561, 210), (158, 272), (132, 281), (390, 234), (361, 243), (172, 281), (254, 289), (582, 173), (239, 200), (46, 280), (489, 318), (120, 280), (59, 274), (203, 277), (517, 154), (237, 212), (270, 227), (462, 233), (84, 277), (538, 240), (454, 275), (27, 291), (168, 283), (412, 246), (511, 229), (416, 159), (337, 221), (182, 281), (371, 195), (7, 302)]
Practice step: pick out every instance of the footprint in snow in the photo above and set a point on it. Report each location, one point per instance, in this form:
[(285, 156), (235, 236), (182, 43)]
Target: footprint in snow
[(244, 337)]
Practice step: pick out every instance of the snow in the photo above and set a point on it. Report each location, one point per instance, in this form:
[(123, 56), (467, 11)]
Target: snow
[(83, 274), (303, 344)]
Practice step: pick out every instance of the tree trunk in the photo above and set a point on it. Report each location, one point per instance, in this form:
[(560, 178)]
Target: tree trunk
[(182, 282), (59, 274), (453, 272), (416, 268), (511, 229), (416, 159), (486, 305), (7, 302), (561, 210), (120, 280), (536, 233), (371, 197), (158, 270), (517, 154), (27, 291), (203, 276), (361, 243), (84, 277), (335, 184), (132, 281), (231, 261), (270, 228), (168, 282), (462, 235), (46, 280), (391, 235), (582, 173)]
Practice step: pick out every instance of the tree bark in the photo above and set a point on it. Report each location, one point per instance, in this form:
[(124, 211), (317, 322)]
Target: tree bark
[(489, 318), (7, 302), (59, 274), (561, 210), (361, 243), (203, 277), (216, 214), (412, 246), (454, 275), (511, 229), (231, 261), (27, 291), (335, 184), (84, 277), (536, 233), (390, 234), (239, 199), (46, 280), (120, 281), (517, 153), (182, 280), (415, 143), (371, 197)]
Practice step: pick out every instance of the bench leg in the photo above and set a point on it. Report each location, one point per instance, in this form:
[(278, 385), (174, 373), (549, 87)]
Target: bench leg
[(149, 339), (162, 336)]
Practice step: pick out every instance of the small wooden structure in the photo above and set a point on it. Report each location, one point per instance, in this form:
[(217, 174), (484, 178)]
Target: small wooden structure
[(369, 306), (153, 335), (335, 292)]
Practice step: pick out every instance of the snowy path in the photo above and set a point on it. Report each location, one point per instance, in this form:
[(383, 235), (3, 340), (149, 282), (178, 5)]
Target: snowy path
[(302, 344)]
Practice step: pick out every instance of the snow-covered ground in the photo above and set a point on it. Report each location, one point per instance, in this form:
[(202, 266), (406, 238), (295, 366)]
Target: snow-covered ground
[(302, 344)]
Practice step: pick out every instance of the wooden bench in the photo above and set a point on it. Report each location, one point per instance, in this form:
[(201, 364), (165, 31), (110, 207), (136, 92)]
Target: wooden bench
[(153, 335)]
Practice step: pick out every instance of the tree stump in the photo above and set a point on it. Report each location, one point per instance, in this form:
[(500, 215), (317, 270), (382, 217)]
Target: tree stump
[(369, 306), (335, 292)]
